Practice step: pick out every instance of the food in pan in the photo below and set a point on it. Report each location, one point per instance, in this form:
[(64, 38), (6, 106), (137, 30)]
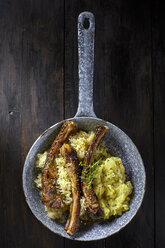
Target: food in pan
[(78, 175), (91, 201), (50, 195), (72, 165)]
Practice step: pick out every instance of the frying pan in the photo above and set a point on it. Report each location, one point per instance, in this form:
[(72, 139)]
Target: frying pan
[(116, 141)]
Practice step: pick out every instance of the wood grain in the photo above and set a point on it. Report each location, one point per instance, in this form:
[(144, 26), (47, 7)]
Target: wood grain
[(31, 86), (39, 86), (128, 92), (158, 55)]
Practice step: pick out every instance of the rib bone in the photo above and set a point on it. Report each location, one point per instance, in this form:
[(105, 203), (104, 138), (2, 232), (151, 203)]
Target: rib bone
[(91, 200), (72, 164), (50, 196)]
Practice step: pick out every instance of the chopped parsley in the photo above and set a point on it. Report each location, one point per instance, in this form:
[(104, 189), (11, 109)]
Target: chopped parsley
[(81, 163), (88, 174)]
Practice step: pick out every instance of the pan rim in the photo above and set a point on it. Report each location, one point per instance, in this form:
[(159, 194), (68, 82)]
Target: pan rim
[(57, 232)]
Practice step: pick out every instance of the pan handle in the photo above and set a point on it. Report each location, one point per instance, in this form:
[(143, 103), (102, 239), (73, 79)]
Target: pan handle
[(86, 64)]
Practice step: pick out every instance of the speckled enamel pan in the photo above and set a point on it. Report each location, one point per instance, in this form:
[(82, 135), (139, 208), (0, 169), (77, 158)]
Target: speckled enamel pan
[(116, 140)]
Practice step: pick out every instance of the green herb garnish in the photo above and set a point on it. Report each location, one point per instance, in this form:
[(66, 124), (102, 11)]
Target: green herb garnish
[(88, 174), (81, 163)]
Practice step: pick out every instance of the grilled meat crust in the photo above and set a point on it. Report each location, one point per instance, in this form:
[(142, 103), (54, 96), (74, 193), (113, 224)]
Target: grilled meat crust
[(91, 200), (50, 196), (72, 164)]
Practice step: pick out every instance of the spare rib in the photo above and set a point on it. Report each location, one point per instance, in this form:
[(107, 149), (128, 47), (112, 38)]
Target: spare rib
[(72, 164), (50, 195), (91, 200)]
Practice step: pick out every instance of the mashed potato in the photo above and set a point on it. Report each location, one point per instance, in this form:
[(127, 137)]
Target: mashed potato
[(111, 187), (109, 183)]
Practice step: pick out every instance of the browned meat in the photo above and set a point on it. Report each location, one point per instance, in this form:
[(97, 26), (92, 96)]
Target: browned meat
[(91, 200), (50, 196), (72, 164)]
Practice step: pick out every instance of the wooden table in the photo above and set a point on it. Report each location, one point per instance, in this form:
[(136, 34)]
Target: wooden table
[(39, 85)]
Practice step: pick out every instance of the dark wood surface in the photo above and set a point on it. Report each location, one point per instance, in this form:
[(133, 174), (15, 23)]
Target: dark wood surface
[(38, 87)]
